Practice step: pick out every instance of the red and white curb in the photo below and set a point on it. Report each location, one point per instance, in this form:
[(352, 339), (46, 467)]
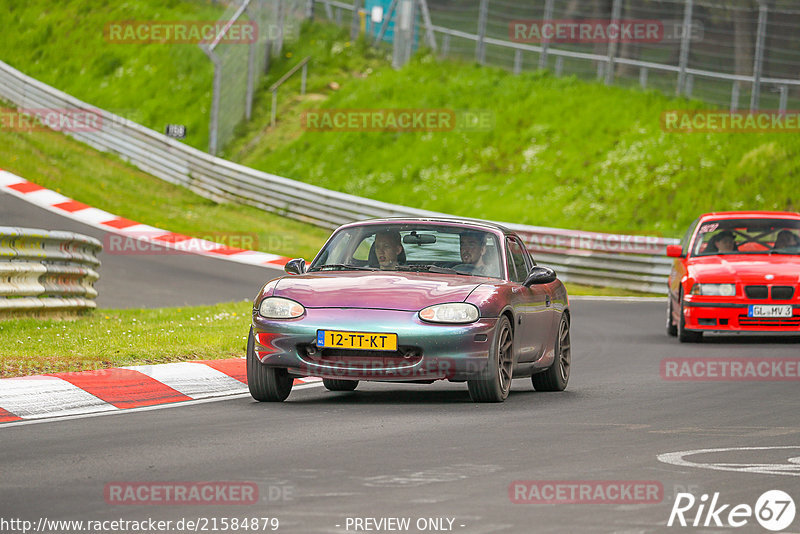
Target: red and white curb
[(121, 388), (65, 206)]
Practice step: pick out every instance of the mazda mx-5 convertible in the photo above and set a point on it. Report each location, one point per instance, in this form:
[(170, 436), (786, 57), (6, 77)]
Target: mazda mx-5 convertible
[(412, 300), (736, 272)]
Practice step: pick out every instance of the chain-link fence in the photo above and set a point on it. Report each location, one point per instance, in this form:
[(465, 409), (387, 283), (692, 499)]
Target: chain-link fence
[(737, 53), (240, 62)]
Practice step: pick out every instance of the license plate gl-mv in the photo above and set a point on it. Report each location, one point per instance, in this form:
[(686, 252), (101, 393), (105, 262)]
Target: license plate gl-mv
[(356, 340), (767, 310)]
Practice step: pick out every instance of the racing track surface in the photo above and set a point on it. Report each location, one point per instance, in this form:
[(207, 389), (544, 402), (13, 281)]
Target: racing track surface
[(427, 451), (148, 281), (416, 451)]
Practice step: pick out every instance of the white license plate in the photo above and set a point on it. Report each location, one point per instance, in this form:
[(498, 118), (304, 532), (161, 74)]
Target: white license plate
[(766, 310)]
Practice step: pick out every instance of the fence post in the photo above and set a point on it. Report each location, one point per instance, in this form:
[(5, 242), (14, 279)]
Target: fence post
[(354, 22), (685, 44), (616, 9), (279, 43), (309, 9), (643, 77), (385, 23), (213, 121), (480, 46), (735, 96), (426, 19), (758, 61), (784, 90), (403, 33), (517, 61), (548, 15)]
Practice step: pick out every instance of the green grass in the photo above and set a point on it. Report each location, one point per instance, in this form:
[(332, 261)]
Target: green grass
[(563, 152), (73, 169), (153, 84), (111, 338)]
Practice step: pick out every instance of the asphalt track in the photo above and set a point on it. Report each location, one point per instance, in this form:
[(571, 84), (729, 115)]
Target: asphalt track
[(426, 451), (152, 280)]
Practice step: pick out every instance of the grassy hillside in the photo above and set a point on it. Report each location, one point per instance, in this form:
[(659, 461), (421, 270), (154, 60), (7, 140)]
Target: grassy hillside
[(562, 152), (153, 84)]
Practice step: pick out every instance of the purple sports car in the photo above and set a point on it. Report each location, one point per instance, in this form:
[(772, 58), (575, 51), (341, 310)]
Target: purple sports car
[(412, 300)]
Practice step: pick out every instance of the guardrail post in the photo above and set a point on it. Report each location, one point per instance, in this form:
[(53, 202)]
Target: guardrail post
[(643, 77), (480, 45), (517, 61), (616, 10), (686, 39), (734, 96), (758, 61), (303, 78), (548, 15), (445, 45), (559, 65)]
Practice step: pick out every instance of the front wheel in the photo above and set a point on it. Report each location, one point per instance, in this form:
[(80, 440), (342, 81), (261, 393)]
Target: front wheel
[(672, 328), (335, 384), (557, 375), (496, 382), (686, 336), (266, 384)]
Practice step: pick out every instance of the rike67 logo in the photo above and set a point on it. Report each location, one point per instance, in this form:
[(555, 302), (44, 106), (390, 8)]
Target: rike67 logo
[(774, 510)]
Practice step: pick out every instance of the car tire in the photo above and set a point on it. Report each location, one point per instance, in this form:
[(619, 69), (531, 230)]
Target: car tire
[(266, 384), (686, 336), (557, 375), (672, 328), (335, 384), (496, 381)]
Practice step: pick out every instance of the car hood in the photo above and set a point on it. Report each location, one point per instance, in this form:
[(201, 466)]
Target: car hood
[(390, 290), (747, 269)]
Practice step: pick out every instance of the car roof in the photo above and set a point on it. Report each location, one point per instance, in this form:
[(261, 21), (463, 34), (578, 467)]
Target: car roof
[(720, 215), (466, 223)]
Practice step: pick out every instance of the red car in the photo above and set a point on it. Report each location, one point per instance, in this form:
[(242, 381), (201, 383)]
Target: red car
[(736, 272)]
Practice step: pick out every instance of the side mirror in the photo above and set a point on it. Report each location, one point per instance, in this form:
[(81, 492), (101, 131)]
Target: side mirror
[(295, 266), (540, 275), (674, 251)]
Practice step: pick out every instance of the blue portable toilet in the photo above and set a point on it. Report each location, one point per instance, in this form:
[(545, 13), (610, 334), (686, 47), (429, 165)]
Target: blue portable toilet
[(373, 28)]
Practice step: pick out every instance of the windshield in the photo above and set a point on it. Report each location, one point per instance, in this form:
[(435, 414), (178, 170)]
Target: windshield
[(748, 236), (412, 247)]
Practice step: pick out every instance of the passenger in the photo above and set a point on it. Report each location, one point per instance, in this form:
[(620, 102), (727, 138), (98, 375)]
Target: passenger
[(388, 247), (786, 239), (473, 252)]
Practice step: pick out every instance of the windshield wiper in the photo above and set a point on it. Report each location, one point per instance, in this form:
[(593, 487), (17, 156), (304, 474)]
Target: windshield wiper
[(428, 269), (342, 267)]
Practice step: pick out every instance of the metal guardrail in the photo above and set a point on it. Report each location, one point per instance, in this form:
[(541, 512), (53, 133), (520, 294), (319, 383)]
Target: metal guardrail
[(47, 271), (631, 262)]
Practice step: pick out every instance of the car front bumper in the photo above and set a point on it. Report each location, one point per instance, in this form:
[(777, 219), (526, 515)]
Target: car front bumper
[(704, 315), (425, 352)]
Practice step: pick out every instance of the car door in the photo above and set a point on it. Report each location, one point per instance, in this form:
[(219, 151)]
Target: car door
[(531, 304)]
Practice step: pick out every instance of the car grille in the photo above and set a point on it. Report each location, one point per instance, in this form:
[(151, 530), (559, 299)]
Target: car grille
[(756, 292), (366, 359), (788, 322), (782, 292)]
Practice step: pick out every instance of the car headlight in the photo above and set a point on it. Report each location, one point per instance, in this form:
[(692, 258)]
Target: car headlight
[(716, 290), (454, 312), (280, 308)]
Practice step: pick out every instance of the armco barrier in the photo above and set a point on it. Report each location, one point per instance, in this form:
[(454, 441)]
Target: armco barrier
[(43, 271), (581, 257)]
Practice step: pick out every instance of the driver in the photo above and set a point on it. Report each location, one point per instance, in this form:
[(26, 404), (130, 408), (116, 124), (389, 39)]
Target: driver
[(786, 239), (388, 247), (473, 250), (722, 242)]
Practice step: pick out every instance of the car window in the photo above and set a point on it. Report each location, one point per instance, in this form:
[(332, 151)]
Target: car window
[(517, 254), (747, 236), (414, 246), (688, 236)]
